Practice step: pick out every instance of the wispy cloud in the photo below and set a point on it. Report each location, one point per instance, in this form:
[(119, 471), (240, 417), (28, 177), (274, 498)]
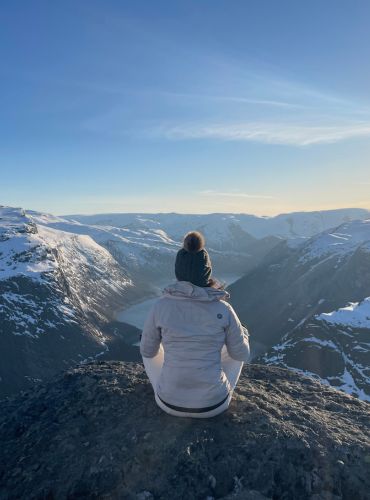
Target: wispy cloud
[(235, 194), (116, 89), (230, 101), (295, 134)]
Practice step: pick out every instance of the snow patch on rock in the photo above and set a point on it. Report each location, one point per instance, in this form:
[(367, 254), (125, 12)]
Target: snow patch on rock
[(356, 314)]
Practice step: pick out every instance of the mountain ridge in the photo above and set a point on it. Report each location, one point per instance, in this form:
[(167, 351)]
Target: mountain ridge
[(288, 225)]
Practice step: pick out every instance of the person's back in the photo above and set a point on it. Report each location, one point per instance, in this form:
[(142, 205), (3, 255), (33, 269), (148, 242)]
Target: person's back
[(193, 323)]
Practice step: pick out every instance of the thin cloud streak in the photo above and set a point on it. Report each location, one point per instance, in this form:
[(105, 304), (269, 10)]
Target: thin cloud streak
[(226, 98), (211, 192), (123, 90), (269, 133)]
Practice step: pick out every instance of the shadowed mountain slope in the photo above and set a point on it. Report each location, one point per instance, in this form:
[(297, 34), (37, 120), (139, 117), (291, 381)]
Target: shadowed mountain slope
[(334, 346), (294, 283)]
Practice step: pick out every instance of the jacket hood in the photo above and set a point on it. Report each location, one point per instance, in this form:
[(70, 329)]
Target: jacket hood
[(186, 290)]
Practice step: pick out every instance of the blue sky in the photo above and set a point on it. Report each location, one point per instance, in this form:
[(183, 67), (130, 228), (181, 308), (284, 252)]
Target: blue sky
[(188, 106)]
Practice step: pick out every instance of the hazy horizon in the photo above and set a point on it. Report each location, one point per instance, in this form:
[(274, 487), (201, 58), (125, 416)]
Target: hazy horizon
[(68, 214)]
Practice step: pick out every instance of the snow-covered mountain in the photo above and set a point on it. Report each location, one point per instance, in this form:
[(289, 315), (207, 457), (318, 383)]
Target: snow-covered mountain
[(56, 289), (285, 303), (62, 279), (294, 282), (146, 244), (333, 346), (145, 254), (339, 242), (222, 230), (147, 247)]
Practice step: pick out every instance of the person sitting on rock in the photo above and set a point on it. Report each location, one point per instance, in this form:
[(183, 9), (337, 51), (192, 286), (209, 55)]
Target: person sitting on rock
[(193, 344)]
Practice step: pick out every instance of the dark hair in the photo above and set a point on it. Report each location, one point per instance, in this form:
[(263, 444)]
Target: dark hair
[(194, 242), (216, 284)]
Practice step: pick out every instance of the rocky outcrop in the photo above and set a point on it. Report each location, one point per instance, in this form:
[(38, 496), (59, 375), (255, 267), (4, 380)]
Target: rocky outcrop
[(96, 432)]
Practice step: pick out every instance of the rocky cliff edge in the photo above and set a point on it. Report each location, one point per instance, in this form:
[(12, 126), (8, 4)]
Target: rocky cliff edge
[(96, 432)]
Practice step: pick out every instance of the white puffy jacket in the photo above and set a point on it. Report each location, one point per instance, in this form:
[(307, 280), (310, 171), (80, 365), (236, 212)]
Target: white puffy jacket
[(193, 324)]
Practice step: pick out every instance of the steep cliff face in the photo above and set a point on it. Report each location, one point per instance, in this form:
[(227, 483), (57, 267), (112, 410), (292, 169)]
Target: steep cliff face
[(57, 291), (96, 432)]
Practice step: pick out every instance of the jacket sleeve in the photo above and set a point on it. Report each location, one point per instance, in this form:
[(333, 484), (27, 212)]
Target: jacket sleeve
[(151, 336), (237, 338)]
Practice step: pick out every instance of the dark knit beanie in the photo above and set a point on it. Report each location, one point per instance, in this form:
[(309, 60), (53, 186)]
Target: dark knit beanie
[(192, 261)]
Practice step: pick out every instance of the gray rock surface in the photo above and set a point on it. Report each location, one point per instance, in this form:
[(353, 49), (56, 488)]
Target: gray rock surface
[(96, 432)]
